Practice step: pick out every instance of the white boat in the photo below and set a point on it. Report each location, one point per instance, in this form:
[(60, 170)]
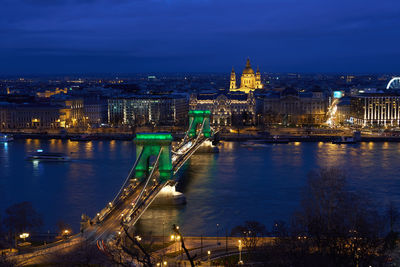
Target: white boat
[(5, 138), (47, 156)]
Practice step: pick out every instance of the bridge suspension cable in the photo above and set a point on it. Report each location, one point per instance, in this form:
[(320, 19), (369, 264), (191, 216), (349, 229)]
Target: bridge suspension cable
[(148, 179), (128, 177), (200, 131), (184, 138)]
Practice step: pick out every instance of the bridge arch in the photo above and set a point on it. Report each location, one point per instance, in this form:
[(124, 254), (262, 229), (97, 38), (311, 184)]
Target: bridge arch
[(196, 118), (149, 145)]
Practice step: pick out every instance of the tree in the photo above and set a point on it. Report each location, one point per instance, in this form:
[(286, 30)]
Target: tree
[(189, 257), (251, 232), (279, 229), (22, 217), (339, 224), (392, 215), (128, 248)]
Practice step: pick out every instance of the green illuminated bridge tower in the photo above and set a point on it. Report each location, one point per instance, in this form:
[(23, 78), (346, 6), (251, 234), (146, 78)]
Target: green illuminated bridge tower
[(150, 145), (199, 117), (158, 145)]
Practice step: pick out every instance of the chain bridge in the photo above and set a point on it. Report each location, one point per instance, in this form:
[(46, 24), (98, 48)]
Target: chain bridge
[(157, 162)]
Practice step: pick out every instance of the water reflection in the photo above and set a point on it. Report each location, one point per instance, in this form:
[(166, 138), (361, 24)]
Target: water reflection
[(238, 184)]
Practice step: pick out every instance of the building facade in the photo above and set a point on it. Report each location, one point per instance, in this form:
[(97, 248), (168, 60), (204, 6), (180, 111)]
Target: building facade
[(29, 116), (293, 107), (226, 108), (148, 109), (375, 110)]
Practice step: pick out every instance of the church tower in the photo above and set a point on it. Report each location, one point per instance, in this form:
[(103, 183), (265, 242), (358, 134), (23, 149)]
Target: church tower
[(249, 81), (258, 79), (233, 80)]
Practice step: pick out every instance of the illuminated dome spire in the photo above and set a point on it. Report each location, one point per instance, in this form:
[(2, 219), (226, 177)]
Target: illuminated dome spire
[(248, 69)]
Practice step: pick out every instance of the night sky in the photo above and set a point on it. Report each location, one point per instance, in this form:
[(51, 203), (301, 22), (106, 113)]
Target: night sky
[(127, 36)]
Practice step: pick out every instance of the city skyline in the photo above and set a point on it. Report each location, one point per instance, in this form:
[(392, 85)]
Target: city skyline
[(199, 133), (52, 37)]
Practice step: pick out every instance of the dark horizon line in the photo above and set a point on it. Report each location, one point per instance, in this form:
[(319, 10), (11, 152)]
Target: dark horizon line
[(87, 74)]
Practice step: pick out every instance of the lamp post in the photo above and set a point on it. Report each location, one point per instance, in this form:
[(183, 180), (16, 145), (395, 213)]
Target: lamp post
[(240, 252), (209, 254), (175, 238), (66, 233), (163, 238), (24, 236), (217, 234)]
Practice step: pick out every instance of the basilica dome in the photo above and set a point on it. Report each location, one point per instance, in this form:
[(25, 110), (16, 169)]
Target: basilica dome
[(248, 69)]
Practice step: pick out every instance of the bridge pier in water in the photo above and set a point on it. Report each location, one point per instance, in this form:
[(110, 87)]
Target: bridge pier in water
[(170, 197)]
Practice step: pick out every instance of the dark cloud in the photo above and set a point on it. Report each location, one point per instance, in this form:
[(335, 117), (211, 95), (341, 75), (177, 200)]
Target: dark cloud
[(201, 35)]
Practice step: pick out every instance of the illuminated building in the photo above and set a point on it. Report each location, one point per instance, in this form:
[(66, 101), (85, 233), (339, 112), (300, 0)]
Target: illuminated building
[(71, 112), (49, 93), (226, 108), (95, 110), (148, 109), (233, 80), (293, 107), (376, 109), (249, 80), (236, 107), (29, 116), (343, 113)]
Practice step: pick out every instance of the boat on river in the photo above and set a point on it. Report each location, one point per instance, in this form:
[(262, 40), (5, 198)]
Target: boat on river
[(277, 140), (345, 140), (253, 144), (47, 156), (81, 138), (5, 138)]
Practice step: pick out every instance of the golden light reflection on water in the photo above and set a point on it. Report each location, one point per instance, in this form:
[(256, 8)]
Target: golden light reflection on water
[(89, 149), (371, 145), (112, 145), (226, 146), (330, 155), (386, 145)]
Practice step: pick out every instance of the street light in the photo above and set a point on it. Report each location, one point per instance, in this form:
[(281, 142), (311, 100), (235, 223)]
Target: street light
[(209, 254), (24, 236), (240, 252), (65, 233), (217, 234), (175, 238)]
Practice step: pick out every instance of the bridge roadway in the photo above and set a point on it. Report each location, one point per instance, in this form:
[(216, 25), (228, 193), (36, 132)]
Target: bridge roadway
[(111, 223)]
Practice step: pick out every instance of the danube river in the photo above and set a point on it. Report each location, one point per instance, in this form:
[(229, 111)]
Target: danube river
[(238, 184)]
